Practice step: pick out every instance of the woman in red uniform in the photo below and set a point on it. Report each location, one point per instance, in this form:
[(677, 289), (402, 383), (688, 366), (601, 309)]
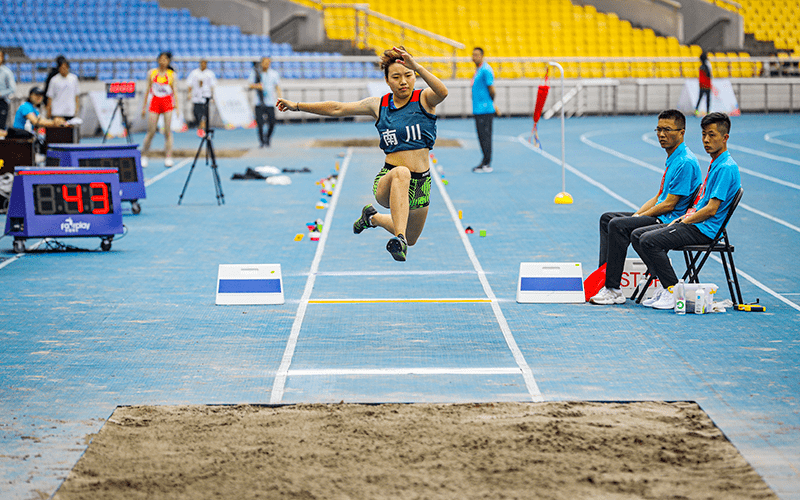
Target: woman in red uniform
[(161, 83)]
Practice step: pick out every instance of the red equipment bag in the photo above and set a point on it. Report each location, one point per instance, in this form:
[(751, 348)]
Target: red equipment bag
[(594, 282)]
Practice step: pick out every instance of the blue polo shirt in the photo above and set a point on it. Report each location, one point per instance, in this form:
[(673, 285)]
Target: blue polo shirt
[(270, 80), (723, 183), (482, 103), (22, 112), (681, 179)]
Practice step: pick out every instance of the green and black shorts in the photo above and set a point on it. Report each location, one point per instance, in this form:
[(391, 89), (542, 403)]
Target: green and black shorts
[(419, 190)]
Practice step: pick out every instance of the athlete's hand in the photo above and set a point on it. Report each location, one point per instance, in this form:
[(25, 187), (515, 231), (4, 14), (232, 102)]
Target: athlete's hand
[(407, 60), (286, 105)]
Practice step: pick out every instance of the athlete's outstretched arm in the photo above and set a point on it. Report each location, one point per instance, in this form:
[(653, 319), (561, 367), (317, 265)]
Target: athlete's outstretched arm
[(366, 107)]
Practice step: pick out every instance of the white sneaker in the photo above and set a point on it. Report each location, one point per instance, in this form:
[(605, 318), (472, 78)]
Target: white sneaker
[(168, 162), (608, 296), (665, 301), (143, 161), (483, 169), (656, 295)]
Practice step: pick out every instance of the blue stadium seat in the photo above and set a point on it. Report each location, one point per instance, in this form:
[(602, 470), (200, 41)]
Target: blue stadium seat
[(116, 29), (89, 69), (25, 74), (122, 70)]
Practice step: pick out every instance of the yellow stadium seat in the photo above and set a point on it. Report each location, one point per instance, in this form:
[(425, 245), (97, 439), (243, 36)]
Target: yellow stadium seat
[(541, 28)]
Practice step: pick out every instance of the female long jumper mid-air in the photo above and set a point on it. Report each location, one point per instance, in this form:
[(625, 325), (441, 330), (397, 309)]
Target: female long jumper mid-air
[(406, 122)]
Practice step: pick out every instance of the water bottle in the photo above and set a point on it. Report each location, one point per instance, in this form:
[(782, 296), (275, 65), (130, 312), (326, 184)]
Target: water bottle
[(700, 301), (680, 298)]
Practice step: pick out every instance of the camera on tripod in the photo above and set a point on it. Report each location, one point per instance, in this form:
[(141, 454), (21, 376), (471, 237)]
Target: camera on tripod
[(211, 158), (120, 91)]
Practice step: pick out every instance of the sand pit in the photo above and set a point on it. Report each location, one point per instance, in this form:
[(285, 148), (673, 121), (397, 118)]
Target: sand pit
[(396, 451)]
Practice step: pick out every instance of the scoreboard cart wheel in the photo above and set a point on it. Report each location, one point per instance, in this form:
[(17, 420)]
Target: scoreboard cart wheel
[(135, 207), (105, 244), (19, 245)]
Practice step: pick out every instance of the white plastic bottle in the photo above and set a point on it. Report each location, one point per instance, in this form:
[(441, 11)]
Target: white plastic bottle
[(700, 301), (680, 298)]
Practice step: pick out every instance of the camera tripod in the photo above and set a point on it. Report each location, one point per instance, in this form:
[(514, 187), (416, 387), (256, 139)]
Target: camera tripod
[(207, 140), (121, 107)]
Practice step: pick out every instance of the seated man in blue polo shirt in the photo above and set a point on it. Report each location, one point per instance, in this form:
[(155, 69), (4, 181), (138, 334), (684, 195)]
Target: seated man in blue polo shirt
[(680, 180), (703, 220)]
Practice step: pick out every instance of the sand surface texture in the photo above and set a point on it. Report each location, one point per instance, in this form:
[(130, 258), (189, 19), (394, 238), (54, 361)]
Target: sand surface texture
[(413, 451)]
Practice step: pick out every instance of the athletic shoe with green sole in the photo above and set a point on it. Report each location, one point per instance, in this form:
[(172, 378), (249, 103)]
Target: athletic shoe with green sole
[(363, 222), (398, 247)]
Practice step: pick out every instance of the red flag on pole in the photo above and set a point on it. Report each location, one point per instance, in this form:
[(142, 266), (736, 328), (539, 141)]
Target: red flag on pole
[(541, 97)]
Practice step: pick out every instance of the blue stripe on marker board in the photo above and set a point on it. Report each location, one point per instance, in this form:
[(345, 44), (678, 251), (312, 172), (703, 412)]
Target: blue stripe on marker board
[(551, 285), (250, 286)]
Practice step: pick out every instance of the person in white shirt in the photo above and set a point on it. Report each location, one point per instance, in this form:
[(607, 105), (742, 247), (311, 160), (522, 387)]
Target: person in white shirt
[(8, 86), (63, 94), (201, 82)]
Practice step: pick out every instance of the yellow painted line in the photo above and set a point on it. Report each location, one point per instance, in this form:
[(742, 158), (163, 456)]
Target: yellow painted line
[(398, 301)]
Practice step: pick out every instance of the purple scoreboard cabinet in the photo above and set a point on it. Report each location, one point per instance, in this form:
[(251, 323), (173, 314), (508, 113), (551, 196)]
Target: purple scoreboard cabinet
[(126, 158), (59, 202)]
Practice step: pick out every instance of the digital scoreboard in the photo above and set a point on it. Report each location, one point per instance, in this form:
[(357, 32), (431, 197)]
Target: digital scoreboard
[(63, 202), (126, 158), (121, 90)]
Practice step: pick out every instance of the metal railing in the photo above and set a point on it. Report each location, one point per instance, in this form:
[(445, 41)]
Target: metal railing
[(359, 67), (728, 5), (368, 29)]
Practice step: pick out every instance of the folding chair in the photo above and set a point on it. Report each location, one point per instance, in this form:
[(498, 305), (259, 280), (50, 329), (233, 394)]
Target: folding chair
[(694, 253)]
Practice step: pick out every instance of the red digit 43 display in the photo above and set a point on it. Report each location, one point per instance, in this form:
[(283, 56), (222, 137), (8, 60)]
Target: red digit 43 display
[(62, 199)]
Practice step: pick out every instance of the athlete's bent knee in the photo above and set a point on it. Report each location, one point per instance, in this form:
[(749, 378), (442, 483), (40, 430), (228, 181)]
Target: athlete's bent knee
[(402, 174)]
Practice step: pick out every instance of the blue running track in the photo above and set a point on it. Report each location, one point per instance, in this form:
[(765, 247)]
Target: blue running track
[(84, 332)]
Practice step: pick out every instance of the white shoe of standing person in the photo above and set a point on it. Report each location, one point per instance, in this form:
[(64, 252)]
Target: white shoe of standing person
[(608, 296), (144, 161), (652, 300), (168, 162), (665, 301)]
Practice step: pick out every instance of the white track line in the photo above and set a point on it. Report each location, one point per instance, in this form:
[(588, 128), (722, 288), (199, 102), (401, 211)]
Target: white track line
[(646, 138), (406, 371), (763, 154), (168, 171), (770, 138), (527, 374), (279, 385), (552, 158), (18, 256)]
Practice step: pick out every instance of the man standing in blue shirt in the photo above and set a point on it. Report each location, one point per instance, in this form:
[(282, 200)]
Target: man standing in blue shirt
[(7, 88), (703, 220), (680, 180), (483, 107), (267, 84)]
